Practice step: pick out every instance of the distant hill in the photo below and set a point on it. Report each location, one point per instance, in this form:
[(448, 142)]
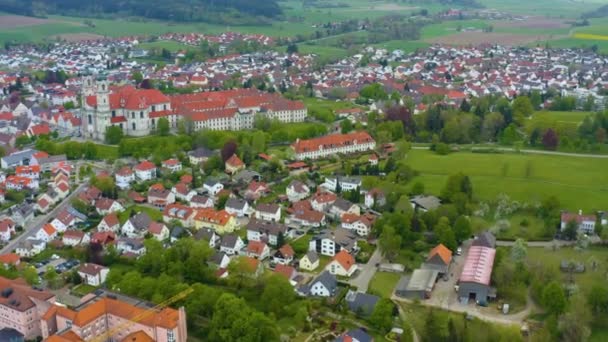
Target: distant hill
[(597, 13), (215, 11)]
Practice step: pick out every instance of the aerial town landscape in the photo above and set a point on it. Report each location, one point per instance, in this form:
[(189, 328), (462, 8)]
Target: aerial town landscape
[(303, 170)]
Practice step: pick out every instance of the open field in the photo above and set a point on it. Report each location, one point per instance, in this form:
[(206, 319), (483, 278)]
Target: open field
[(532, 23), (551, 8), (17, 21), (77, 37), (575, 181), (477, 38), (383, 283), (164, 44)]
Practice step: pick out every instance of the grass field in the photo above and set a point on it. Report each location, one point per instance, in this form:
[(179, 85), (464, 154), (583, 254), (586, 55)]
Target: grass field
[(383, 283), (573, 180), (530, 231), (155, 214), (585, 281), (552, 8), (450, 27), (327, 52), (404, 45)]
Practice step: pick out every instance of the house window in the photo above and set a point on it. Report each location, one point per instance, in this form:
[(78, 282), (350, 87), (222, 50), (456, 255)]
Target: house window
[(164, 107), (113, 113), (132, 115), (90, 119), (120, 125), (154, 108), (133, 125), (141, 115), (170, 336)]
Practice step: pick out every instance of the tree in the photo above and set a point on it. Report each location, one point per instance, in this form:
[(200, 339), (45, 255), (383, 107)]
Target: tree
[(550, 140), (575, 324), (571, 230), (346, 126), (114, 135), (417, 188), (553, 298), (435, 327), (30, 275), (51, 277), (445, 234), (536, 99), (598, 299), (162, 127), (292, 48), (278, 294), (214, 163), (519, 251), (389, 242), (137, 77), (462, 228), (228, 150), (382, 316)]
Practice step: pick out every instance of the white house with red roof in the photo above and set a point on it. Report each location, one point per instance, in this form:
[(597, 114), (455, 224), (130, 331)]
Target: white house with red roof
[(104, 206), (172, 165), (183, 192), (360, 224), (145, 170), (109, 223), (258, 250), (7, 229), (234, 164), (584, 223), (159, 231), (74, 237), (29, 171), (93, 274), (46, 233), (343, 264), (124, 177), (333, 144), (64, 220), (20, 183)]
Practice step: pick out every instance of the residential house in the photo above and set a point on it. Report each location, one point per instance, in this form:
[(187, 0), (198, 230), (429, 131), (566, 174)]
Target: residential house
[(103, 238), (221, 221), (93, 274), (136, 226), (284, 255), (9, 260), (182, 213), (124, 177), (7, 229), (266, 231), (342, 206), (297, 191), (173, 165), (310, 261), (258, 250), (268, 212), (324, 285), (22, 213), (46, 233), (375, 197), (199, 156), (331, 242), (30, 248), (219, 260), (237, 207), (234, 164), (28, 171), (584, 223), (360, 224), (18, 183), (355, 335), (130, 246), (208, 235), (255, 190), (159, 231), (231, 244), (105, 206), (109, 223), (201, 202), (213, 187), (287, 271), (343, 264), (64, 220), (73, 237), (160, 197), (361, 303), (182, 192), (145, 170), (342, 184), (322, 201), (425, 203)]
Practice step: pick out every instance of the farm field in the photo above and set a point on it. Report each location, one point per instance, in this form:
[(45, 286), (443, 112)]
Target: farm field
[(573, 180), (551, 8)]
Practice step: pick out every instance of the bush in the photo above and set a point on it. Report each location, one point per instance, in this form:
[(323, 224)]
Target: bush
[(524, 222), (442, 149)]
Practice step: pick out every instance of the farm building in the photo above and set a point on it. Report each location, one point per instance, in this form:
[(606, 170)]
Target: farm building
[(439, 259), (419, 285), (474, 282)]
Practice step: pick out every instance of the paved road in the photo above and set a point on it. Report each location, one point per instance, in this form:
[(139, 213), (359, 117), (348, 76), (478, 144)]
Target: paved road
[(367, 271), (31, 228), (509, 149)]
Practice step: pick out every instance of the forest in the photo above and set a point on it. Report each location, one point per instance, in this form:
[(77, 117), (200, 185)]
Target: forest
[(225, 11)]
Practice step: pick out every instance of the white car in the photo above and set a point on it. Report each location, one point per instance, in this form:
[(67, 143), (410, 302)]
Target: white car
[(459, 251)]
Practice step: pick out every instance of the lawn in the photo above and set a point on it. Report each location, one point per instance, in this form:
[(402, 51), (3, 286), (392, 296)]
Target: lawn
[(450, 27), (566, 122), (155, 214), (300, 246), (106, 152), (527, 227), (585, 281), (83, 289), (524, 177), (383, 283)]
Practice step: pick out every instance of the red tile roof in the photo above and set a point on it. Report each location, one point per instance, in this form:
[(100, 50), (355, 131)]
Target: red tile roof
[(344, 259), (444, 253), (332, 141)]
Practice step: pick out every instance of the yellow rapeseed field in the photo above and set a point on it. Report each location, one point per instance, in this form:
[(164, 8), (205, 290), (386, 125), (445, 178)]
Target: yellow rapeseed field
[(589, 36)]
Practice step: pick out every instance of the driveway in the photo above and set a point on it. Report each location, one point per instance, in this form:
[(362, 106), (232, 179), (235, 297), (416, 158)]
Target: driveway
[(367, 272)]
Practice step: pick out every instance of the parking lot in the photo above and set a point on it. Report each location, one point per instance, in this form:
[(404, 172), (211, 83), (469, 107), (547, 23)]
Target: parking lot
[(60, 265)]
